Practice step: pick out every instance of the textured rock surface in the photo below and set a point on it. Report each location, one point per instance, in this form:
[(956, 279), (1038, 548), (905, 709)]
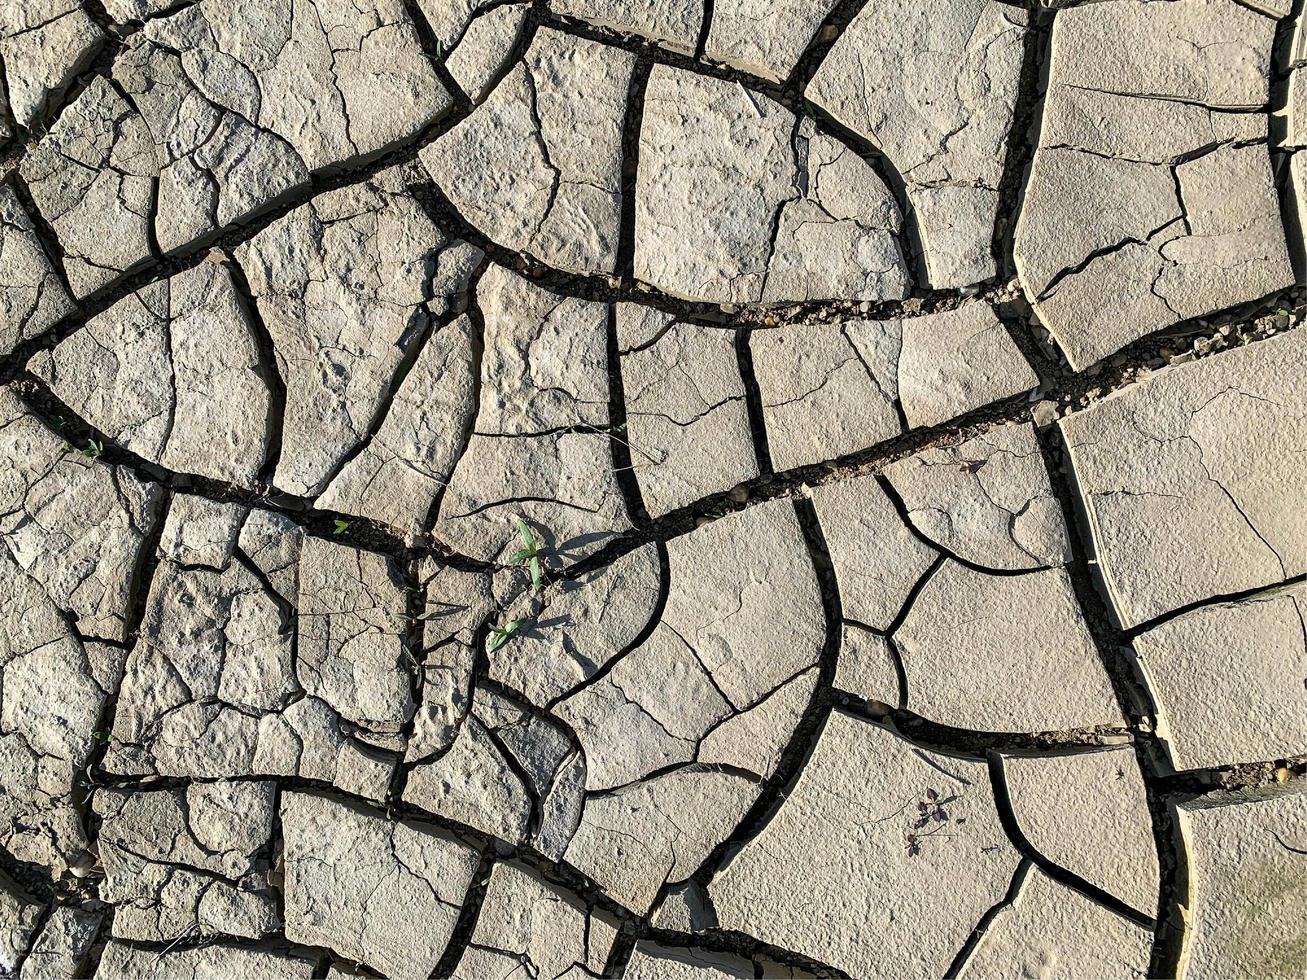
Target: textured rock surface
[(31, 294), (651, 960), (672, 23), (203, 962), (484, 51), (537, 166), (1051, 930), (341, 284), (933, 85), (44, 44), (667, 489), (172, 373), (827, 388), (1150, 199), (1249, 895), (720, 166), (61, 948), (244, 102), (1087, 813), (1228, 680), (218, 687), (686, 420), (987, 500), (977, 647), (19, 925), (789, 885), (187, 862), (93, 178), (765, 39), (526, 924), (75, 526), (1188, 477), (381, 892), (953, 362), (877, 559)]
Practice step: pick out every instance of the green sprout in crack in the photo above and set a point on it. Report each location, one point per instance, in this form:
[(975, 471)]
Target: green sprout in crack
[(101, 736), (93, 449), (341, 526), (502, 634), (530, 554)]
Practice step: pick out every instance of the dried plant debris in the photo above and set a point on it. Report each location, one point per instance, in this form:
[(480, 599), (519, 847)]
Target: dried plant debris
[(673, 489)]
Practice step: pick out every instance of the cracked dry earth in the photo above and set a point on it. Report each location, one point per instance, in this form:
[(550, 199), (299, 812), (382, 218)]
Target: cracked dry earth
[(673, 489)]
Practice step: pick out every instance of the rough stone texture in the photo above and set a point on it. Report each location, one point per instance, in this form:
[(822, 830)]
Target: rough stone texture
[(877, 559), (474, 784), (789, 885), (382, 892), (719, 649), (1050, 930), (1088, 814), (93, 179), (686, 420), (868, 667), (44, 44), (827, 388), (1191, 478), (74, 525), (673, 24), (245, 101), (987, 500), (483, 53), (527, 925), (777, 211), (203, 963), (340, 283), (53, 689), (32, 297), (537, 166), (60, 949), (583, 625), (450, 19), (545, 361), (933, 86), (172, 372), (1150, 199), (678, 818), (1228, 680), (19, 918), (977, 650), (351, 635), (956, 361), (186, 862), (217, 686), (563, 483), (457, 603), (200, 531), (790, 653), (650, 961), (1249, 887), (398, 475), (764, 38)]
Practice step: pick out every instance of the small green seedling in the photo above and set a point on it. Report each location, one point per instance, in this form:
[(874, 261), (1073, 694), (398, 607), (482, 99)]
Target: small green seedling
[(93, 449), (502, 634), (341, 526), (101, 736), (529, 553)]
